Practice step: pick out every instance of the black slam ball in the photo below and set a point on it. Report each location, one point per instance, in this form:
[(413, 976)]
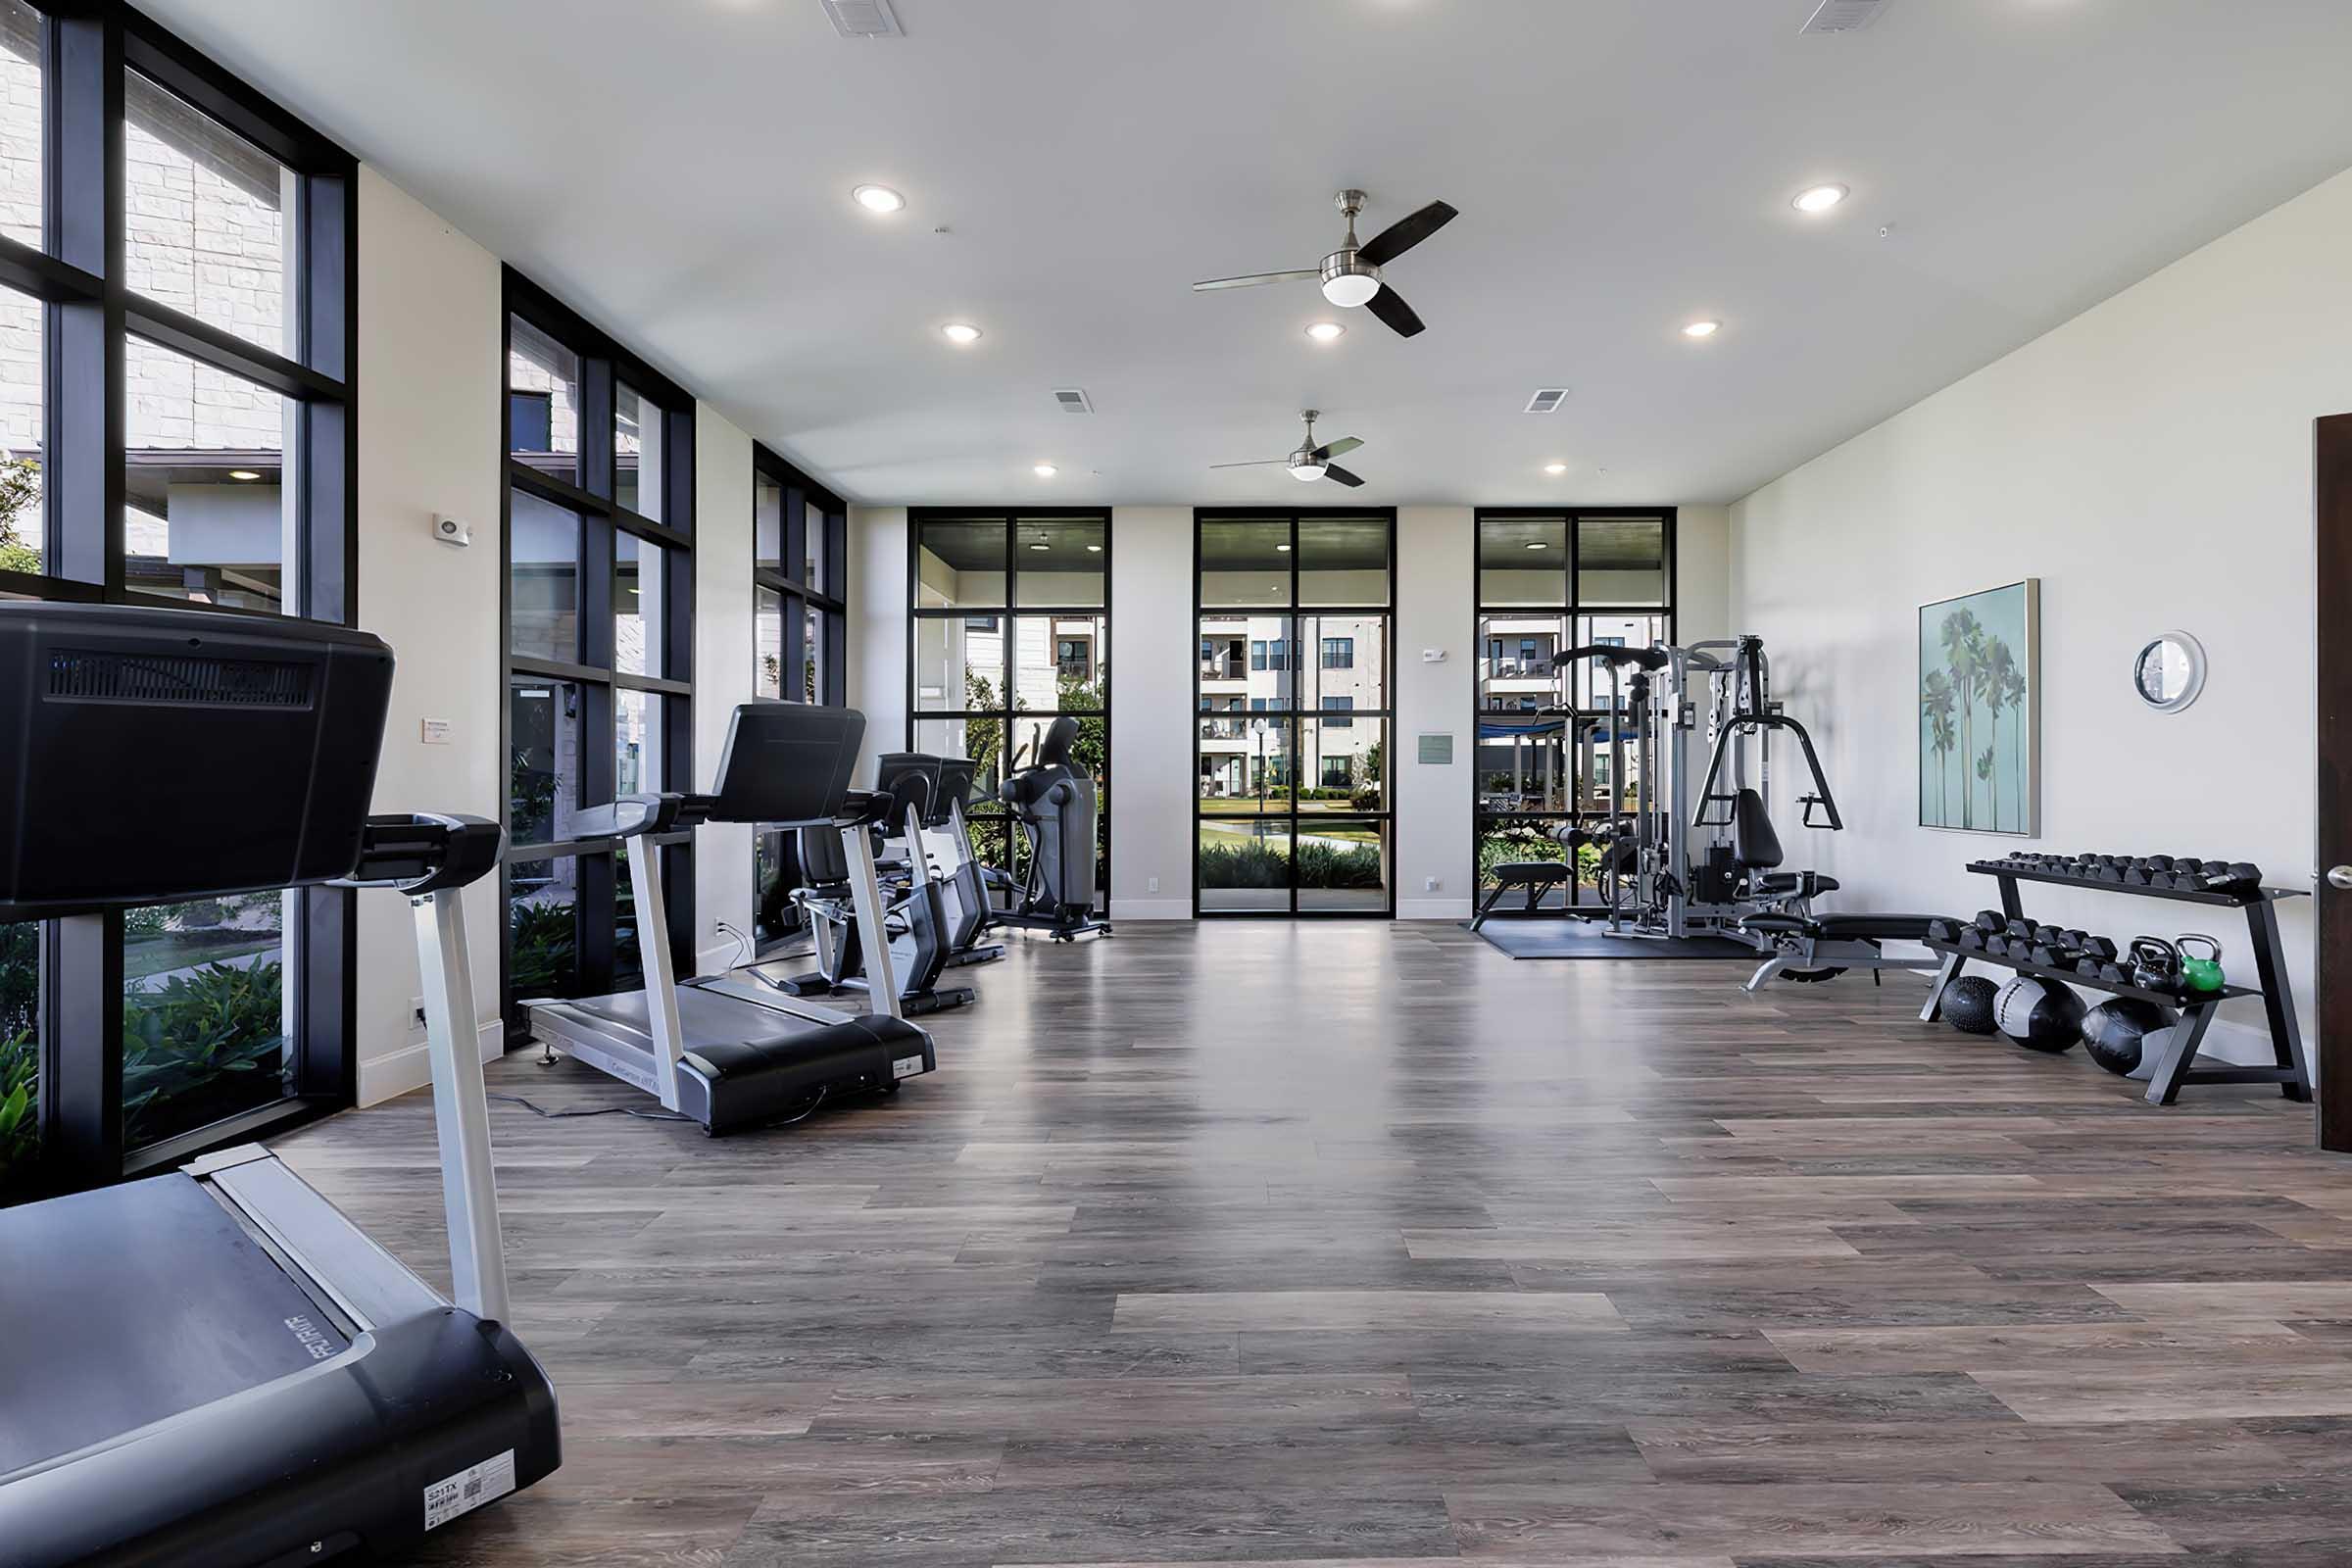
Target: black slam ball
[(2114, 1031), (2038, 1014), (1967, 1004)]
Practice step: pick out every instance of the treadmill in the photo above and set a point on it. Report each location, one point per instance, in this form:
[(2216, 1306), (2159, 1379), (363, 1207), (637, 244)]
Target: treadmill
[(216, 1366), (726, 1052)]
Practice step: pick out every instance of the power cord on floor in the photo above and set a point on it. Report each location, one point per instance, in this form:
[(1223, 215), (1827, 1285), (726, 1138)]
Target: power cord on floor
[(600, 1111)]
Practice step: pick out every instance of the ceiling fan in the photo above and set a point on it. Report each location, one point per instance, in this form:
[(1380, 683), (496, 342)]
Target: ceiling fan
[(1310, 461), (1351, 275)]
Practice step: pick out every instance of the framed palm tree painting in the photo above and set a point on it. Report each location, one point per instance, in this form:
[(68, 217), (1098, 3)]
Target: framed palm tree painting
[(1979, 711)]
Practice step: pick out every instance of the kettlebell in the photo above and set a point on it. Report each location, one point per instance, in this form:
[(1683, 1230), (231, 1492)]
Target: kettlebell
[(2155, 965), (2199, 973)]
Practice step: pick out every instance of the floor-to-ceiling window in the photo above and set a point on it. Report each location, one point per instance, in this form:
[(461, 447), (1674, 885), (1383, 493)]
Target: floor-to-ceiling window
[(800, 591), (176, 265), (599, 637), (1548, 581), (1292, 812), (1009, 630)]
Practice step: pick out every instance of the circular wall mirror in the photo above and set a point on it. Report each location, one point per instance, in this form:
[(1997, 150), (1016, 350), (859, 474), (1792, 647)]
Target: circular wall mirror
[(2170, 671)]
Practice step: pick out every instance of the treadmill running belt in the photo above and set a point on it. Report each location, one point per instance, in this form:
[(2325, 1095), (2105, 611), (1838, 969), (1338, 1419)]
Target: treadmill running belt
[(145, 1299)]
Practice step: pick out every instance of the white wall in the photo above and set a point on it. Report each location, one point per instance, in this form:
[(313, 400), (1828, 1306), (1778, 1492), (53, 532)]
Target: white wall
[(1435, 600), (1702, 575), (877, 630), (723, 663), (428, 389), (1153, 649), (2151, 463)]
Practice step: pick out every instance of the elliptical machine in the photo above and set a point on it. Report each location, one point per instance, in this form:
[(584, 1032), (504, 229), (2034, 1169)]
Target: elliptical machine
[(963, 880), (1053, 800), (915, 907)]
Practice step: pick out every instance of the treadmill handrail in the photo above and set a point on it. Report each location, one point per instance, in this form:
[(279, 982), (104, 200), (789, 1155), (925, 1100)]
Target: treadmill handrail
[(628, 815)]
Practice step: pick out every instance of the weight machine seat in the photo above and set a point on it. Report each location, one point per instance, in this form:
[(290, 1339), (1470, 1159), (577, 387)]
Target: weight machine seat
[(1531, 873), (1782, 883), (1843, 927), (1754, 844)]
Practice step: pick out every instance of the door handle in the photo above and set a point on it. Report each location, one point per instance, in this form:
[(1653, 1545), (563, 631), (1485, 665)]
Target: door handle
[(2340, 876)]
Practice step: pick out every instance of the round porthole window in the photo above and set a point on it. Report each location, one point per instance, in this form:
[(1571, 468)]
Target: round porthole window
[(2170, 671)]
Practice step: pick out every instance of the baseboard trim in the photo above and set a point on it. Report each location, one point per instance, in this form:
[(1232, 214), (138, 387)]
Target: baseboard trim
[(1150, 909), (411, 1066), (1433, 909)]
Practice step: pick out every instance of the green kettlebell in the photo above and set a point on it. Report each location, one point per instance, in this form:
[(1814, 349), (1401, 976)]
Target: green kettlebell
[(2200, 973)]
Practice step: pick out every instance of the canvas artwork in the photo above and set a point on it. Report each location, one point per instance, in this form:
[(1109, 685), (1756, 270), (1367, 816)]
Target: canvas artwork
[(1979, 711)]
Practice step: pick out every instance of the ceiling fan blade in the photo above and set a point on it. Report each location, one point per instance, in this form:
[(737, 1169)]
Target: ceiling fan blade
[(1390, 307), (1345, 443), (1406, 233), (1259, 464), (1254, 279), (1332, 470)]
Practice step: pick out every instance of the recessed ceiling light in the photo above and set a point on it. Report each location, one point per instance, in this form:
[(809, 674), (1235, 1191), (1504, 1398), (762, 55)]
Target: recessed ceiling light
[(1701, 329), (964, 332), (1325, 331), (1093, 550), (243, 473), (1044, 471), (1285, 548), (1555, 468), (1534, 544), (1038, 547), (878, 198), (1818, 198)]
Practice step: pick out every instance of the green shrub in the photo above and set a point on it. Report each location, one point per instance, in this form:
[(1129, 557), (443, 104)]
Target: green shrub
[(1259, 865), (543, 952), (19, 1123), (149, 920), (179, 1039)]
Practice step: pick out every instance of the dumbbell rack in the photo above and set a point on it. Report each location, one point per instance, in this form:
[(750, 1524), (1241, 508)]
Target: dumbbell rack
[(2177, 1066)]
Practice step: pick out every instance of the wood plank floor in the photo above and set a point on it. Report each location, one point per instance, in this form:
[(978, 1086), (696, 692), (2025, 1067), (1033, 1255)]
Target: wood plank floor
[(1341, 1243)]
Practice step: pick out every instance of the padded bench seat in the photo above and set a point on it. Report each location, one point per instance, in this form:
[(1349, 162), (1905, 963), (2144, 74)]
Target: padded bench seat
[(1845, 927)]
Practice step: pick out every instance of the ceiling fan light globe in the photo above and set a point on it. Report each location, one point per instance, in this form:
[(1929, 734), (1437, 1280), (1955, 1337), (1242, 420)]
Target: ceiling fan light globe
[(1306, 472), (1351, 289)]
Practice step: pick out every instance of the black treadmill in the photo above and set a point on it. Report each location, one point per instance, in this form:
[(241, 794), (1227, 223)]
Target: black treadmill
[(216, 1366), (727, 1051)]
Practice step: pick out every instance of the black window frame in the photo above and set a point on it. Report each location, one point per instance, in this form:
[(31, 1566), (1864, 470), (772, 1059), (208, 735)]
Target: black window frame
[(79, 276), (1295, 716), (986, 811), (1573, 610), (804, 504), (604, 363)]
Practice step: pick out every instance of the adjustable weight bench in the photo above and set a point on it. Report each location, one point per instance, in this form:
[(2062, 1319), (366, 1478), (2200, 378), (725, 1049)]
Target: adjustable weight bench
[(1818, 947)]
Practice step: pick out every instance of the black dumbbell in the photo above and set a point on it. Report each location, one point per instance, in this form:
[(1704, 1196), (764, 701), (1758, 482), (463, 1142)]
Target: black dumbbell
[(1941, 929), (2101, 949), (2240, 877)]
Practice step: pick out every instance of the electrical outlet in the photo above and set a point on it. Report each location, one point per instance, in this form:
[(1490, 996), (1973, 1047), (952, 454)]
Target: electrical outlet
[(1431, 884), (1152, 886)]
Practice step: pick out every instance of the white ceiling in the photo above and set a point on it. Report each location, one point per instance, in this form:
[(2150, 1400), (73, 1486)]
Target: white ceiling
[(680, 172)]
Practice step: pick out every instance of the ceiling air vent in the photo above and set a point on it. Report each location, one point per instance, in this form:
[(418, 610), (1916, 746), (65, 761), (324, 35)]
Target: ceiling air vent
[(1546, 399), (1073, 400), (1842, 15), (863, 19)]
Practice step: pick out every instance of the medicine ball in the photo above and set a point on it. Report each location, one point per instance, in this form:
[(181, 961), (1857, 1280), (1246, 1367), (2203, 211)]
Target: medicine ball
[(2038, 1014), (2114, 1031), (1967, 1004)]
